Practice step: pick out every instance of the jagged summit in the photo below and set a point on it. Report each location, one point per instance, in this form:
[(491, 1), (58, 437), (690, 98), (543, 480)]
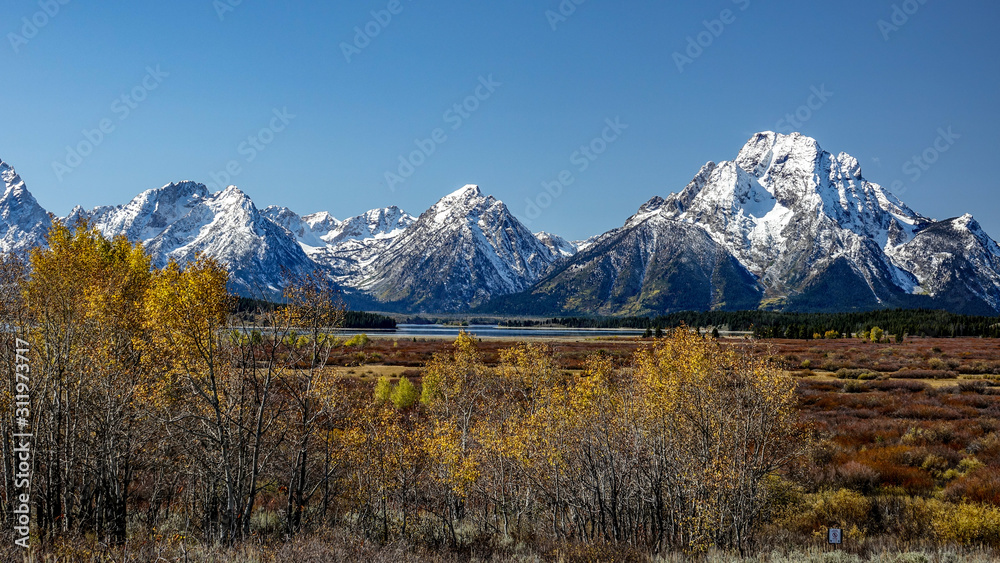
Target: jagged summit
[(465, 192), (23, 222), (10, 178)]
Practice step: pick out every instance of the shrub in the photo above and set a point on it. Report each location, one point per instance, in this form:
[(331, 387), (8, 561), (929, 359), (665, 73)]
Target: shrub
[(858, 477), (908, 373), (980, 486), (853, 386), (405, 395), (935, 465), (877, 334), (358, 341), (829, 508), (890, 385), (831, 365), (863, 374), (383, 390), (967, 524)]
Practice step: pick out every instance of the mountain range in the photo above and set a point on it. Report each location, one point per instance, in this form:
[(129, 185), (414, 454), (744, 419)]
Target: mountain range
[(783, 226)]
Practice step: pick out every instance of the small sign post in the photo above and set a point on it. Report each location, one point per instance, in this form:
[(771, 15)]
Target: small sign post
[(835, 536)]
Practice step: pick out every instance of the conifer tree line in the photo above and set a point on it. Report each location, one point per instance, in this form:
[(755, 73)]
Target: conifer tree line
[(772, 324), (158, 407)]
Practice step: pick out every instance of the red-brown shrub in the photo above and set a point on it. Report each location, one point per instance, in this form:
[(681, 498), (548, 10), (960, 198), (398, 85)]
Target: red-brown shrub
[(980, 486)]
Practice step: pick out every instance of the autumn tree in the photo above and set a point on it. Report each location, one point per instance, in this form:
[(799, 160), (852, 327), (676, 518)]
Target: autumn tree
[(218, 389), (454, 389), (313, 309), (721, 421), (85, 297), (13, 315)]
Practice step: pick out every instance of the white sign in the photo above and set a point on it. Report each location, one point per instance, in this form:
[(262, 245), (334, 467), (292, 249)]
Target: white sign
[(835, 535)]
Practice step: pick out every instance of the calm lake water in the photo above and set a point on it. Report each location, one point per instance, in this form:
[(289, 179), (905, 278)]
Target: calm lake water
[(492, 331)]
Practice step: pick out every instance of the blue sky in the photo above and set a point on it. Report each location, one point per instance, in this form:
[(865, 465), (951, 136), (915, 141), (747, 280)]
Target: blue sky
[(266, 89)]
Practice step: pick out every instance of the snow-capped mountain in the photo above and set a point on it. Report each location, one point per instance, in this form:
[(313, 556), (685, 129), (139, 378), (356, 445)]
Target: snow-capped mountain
[(957, 263), (308, 230), (347, 248), (178, 221), (23, 223), (790, 211), (806, 226), (380, 224), (461, 252)]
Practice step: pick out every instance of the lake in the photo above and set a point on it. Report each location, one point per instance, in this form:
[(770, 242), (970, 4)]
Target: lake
[(493, 331)]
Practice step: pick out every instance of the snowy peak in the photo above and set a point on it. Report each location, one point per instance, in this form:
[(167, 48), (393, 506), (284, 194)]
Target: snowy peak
[(10, 178), (466, 192), (181, 220), (385, 223), (466, 202), (309, 230), (556, 244), (321, 222), (462, 251), (149, 213), (23, 222), (767, 149)]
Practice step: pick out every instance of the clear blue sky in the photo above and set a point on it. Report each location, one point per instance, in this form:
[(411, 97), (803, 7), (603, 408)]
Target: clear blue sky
[(353, 120)]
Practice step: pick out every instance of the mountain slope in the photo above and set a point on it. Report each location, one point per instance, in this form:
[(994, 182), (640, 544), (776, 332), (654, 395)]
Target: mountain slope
[(650, 265)]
